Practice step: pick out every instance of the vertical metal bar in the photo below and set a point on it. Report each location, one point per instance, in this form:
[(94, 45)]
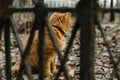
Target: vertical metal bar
[(104, 3), (41, 42), (7, 49), (104, 8), (40, 15), (87, 38), (38, 1), (41, 0), (1, 28), (87, 53), (112, 17), (41, 50), (0, 75)]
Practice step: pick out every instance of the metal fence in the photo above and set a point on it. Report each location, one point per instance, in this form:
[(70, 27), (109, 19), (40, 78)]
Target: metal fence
[(87, 18)]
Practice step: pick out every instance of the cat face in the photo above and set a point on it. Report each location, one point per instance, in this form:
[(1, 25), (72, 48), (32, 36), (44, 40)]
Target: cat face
[(61, 20)]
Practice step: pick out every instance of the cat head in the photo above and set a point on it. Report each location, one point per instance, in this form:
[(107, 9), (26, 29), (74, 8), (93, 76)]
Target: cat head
[(62, 20)]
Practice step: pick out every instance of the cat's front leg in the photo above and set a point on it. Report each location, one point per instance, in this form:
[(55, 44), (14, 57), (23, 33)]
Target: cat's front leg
[(53, 65), (15, 69), (16, 66), (47, 68)]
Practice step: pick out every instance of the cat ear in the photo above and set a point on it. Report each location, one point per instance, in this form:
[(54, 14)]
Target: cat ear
[(56, 13), (68, 14)]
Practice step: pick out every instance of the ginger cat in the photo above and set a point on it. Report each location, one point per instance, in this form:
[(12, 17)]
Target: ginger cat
[(61, 24)]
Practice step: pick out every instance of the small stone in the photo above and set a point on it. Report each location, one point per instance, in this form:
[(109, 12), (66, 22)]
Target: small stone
[(71, 72)]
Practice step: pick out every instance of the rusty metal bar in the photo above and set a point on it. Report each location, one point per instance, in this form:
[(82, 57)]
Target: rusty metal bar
[(7, 47)]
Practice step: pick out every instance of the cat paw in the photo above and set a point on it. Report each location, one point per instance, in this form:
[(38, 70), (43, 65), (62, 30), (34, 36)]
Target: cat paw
[(48, 74), (54, 70), (15, 69)]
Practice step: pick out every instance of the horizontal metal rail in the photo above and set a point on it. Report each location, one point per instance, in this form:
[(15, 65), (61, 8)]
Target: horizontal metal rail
[(61, 9), (110, 9)]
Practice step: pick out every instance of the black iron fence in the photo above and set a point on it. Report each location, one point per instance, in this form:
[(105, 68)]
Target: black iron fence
[(86, 19)]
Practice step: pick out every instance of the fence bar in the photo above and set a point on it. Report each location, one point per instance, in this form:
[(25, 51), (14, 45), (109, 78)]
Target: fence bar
[(75, 28), (15, 32), (61, 9), (1, 28), (0, 75), (40, 15), (104, 3), (111, 12), (26, 52), (104, 8), (41, 50), (7, 48), (85, 17), (107, 44), (60, 57)]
